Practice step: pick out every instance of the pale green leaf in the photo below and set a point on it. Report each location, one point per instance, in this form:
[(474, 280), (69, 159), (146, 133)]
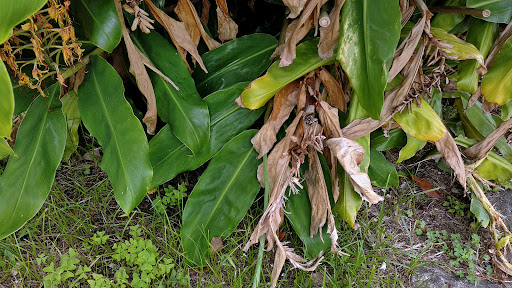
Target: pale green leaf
[(422, 123), (497, 83), (457, 49), (6, 102)]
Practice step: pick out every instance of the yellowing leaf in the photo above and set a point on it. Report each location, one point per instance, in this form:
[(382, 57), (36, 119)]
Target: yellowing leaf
[(456, 48), (497, 83), (422, 123)]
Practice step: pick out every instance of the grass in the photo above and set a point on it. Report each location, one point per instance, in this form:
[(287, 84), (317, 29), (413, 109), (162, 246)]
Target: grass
[(81, 210)]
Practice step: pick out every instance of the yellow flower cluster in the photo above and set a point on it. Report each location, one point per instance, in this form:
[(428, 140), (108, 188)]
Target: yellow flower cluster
[(44, 40)]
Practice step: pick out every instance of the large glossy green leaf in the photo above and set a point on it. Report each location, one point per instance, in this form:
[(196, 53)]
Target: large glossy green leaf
[(497, 83), (236, 61), (456, 48), (14, 12), (70, 110), (29, 175), (5, 149), (349, 201), (479, 211), (501, 10), (170, 157), (298, 207), (410, 149), (380, 142), (221, 197), (381, 172), (6, 102), (184, 110), (422, 123), (109, 118), (264, 88), (369, 34), (481, 34), (99, 21)]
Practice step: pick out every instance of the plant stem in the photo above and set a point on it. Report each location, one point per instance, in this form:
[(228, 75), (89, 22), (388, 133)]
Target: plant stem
[(257, 273), (462, 10), (71, 71)]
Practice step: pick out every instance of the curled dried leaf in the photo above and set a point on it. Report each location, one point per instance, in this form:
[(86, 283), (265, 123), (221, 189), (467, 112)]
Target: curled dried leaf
[(480, 150), (330, 34), (295, 7), (350, 155), (227, 27), (186, 10), (335, 95), (447, 147)]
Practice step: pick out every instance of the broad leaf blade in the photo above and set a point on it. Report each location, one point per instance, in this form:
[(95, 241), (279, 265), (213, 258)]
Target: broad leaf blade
[(481, 34), (221, 197), (422, 123), (497, 83), (382, 173), (184, 110), (410, 149), (5, 149), (349, 201), (6, 102), (27, 178), (264, 88), (100, 22), (236, 61), (478, 209), (109, 118), (369, 34), (501, 10), (170, 157), (395, 138), (14, 12)]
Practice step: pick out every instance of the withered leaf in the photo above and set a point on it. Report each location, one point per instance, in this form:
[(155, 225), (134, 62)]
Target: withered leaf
[(426, 186), (480, 150), (227, 27), (216, 244), (141, 75), (329, 35), (295, 7), (178, 33), (447, 147), (329, 118), (205, 12), (335, 95), (350, 155), (361, 127), (284, 102), (185, 9)]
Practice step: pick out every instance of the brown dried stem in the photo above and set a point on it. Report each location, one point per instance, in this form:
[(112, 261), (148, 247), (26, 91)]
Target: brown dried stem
[(461, 10)]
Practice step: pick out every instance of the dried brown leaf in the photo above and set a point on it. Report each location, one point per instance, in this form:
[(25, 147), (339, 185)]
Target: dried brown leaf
[(335, 95), (185, 9), (329, 118), (318, 195), (480, 150), (205, 12), (141, 75), (216, 244), (361, 127), (447, 147), (350, 155), (227, 27), (284, 102), (295, 7), (329, 35), (404, 52), (426, 186), (178, 33)]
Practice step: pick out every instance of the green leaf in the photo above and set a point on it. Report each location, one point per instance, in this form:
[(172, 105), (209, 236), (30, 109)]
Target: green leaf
[(422, 123), (410, 149), (236, 61), (70, 110), (170, 157), (6, 102), (264, 88), (396, 138), (109, 118), (100, 22), (349, 201), (480, 213), (28, 177), (381, 172), (14, 12), (221, 197), (456, 48), (501, 10), (184, 110), (369, 34), (5, 149), (497, 83), (481, 34), (448, 21)]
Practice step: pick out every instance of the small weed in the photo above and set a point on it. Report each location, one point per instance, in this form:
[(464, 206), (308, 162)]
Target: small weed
[(455, 207), (420, 227), (57, 276), (172, 197)]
